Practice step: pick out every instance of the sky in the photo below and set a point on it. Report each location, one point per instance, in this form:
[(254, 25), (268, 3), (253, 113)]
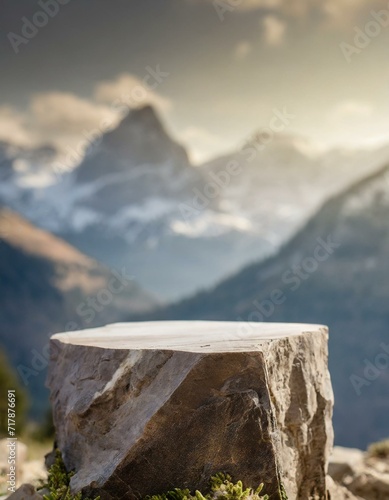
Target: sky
[(216, 70)]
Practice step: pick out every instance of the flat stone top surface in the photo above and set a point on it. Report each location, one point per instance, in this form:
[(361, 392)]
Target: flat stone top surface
[(189, 336)]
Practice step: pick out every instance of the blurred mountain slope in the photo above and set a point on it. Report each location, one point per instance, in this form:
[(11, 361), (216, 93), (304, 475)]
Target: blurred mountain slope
[(136, 200), (335, 271), (46, 286)]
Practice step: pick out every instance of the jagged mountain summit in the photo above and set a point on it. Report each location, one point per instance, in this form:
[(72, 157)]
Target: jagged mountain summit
[(285, 181), (48, 286), (334, 271), (139, 139), (136, 200)]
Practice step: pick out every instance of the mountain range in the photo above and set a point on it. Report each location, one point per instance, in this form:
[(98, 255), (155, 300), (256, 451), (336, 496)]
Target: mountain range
[(334, 271), (309, 228), (136, 200), (47, 286)]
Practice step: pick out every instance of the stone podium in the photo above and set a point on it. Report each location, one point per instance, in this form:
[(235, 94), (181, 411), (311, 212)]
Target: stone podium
[(142, 408)]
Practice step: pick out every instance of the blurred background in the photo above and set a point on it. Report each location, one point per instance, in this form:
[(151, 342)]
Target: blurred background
[(196, 159)]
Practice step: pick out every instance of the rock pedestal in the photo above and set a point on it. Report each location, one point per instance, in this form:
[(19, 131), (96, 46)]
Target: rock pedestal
[(141, 408)]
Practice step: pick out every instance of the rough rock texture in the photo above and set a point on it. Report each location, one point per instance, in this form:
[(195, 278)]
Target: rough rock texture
[(345, 462), (337, 492), (364, 476), (25, 492), (140, 408)]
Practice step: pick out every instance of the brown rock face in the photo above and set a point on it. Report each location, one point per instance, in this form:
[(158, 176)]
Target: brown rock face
[(25, 492), (142, 408)]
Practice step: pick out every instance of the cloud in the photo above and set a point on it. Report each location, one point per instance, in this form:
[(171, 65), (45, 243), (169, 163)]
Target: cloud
[(354, 123), (273, 30), (58, 118), (340, 12), (131, 90), (350, 110), (64, 119), (60, 114), (13, 127), (344, 12), (202, 143), (249, 5), (242, 49)]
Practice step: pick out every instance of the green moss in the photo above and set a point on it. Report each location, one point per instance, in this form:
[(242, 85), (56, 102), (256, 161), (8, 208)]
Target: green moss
[(221, 488), (58, 482), (284, 496), (379, 450)]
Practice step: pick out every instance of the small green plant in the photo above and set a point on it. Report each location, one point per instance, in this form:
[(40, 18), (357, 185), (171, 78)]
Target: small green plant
[(58, 482), (379, 450), (221, 488), (284, 496)]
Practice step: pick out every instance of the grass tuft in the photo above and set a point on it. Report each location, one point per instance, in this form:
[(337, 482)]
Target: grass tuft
[(58, 482), (221, 488), (379, 450)]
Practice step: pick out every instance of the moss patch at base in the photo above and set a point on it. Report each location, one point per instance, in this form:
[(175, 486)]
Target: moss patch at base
[(58, 482), (221, 488)]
